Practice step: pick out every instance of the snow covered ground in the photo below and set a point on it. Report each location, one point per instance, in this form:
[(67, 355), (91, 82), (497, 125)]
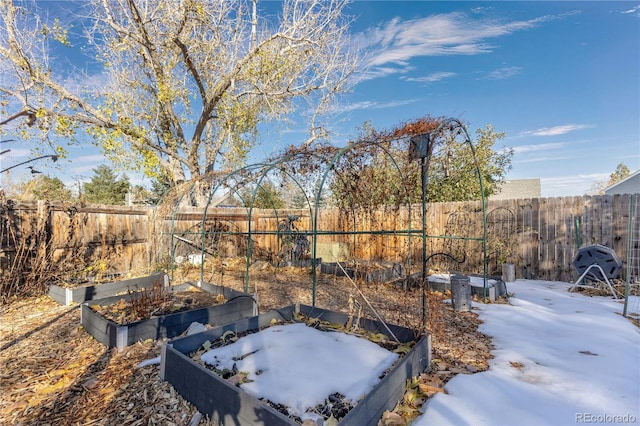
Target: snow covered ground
[(560, 358)]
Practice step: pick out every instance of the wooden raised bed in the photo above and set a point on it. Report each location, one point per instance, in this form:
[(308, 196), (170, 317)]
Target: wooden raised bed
[(239, 305), (67, 296), (227, 404)]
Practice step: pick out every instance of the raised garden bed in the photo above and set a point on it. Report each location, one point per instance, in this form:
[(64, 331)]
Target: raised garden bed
[(235, 305), (69, 295), (495, 287), (227, 403)]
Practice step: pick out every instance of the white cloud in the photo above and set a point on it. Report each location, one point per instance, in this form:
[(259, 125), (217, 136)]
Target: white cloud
[(339, 109), (381, 72), (14, 153), (86, 163), (393, 104), (80, 83), (503, 73), (570, 185), (84, 168), (397, 42), (481, 9), (529, 160), (575, 178), (632, 10), (432, 78), (538, 147), (556, 130), (90, 158)]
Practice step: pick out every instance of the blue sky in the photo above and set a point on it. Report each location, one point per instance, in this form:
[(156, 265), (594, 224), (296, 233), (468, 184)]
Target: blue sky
[(562, 79)]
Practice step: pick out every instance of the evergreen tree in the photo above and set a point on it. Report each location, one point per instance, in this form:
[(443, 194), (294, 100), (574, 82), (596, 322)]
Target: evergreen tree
[(266, 197), (160, 186), (105, 187), (299, 201), (322, 201)]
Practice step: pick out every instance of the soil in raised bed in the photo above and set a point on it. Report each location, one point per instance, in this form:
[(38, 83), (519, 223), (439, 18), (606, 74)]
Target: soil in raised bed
[(73, 283), (157, 301)]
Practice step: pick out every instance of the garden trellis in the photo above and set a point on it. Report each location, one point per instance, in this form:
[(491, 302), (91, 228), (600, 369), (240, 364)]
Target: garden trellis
[(381, 212), (127, 240)]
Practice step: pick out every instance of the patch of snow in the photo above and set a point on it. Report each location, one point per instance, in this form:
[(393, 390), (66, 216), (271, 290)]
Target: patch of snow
[(195, 327), (559, 358), (299, 366), (473, 280), (151, 361)]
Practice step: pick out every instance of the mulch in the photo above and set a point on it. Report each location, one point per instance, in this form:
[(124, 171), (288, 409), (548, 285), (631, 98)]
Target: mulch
[(52, 372)]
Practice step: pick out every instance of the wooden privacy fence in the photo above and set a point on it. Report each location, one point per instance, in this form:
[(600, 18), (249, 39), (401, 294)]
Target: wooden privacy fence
[(539, 236)]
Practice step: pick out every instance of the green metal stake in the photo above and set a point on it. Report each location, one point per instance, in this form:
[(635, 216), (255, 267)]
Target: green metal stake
[(576, 227), (630, 228)]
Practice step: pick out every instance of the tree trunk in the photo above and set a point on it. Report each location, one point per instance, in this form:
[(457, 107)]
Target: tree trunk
[(199, 193)]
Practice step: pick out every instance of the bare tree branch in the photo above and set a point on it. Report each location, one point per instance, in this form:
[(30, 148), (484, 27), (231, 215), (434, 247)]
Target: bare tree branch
[(185, 84)]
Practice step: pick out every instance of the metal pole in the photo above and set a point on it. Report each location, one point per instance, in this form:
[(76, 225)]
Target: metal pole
[(630, 230), (423, 173)]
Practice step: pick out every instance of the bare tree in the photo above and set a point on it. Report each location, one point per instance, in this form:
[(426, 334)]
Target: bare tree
[(183, 84)]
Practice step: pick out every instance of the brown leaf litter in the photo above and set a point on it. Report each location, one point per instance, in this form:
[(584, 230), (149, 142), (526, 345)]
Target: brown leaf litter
[(52, 372)]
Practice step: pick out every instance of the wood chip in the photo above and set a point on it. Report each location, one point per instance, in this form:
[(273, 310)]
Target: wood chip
[(67, 377)]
